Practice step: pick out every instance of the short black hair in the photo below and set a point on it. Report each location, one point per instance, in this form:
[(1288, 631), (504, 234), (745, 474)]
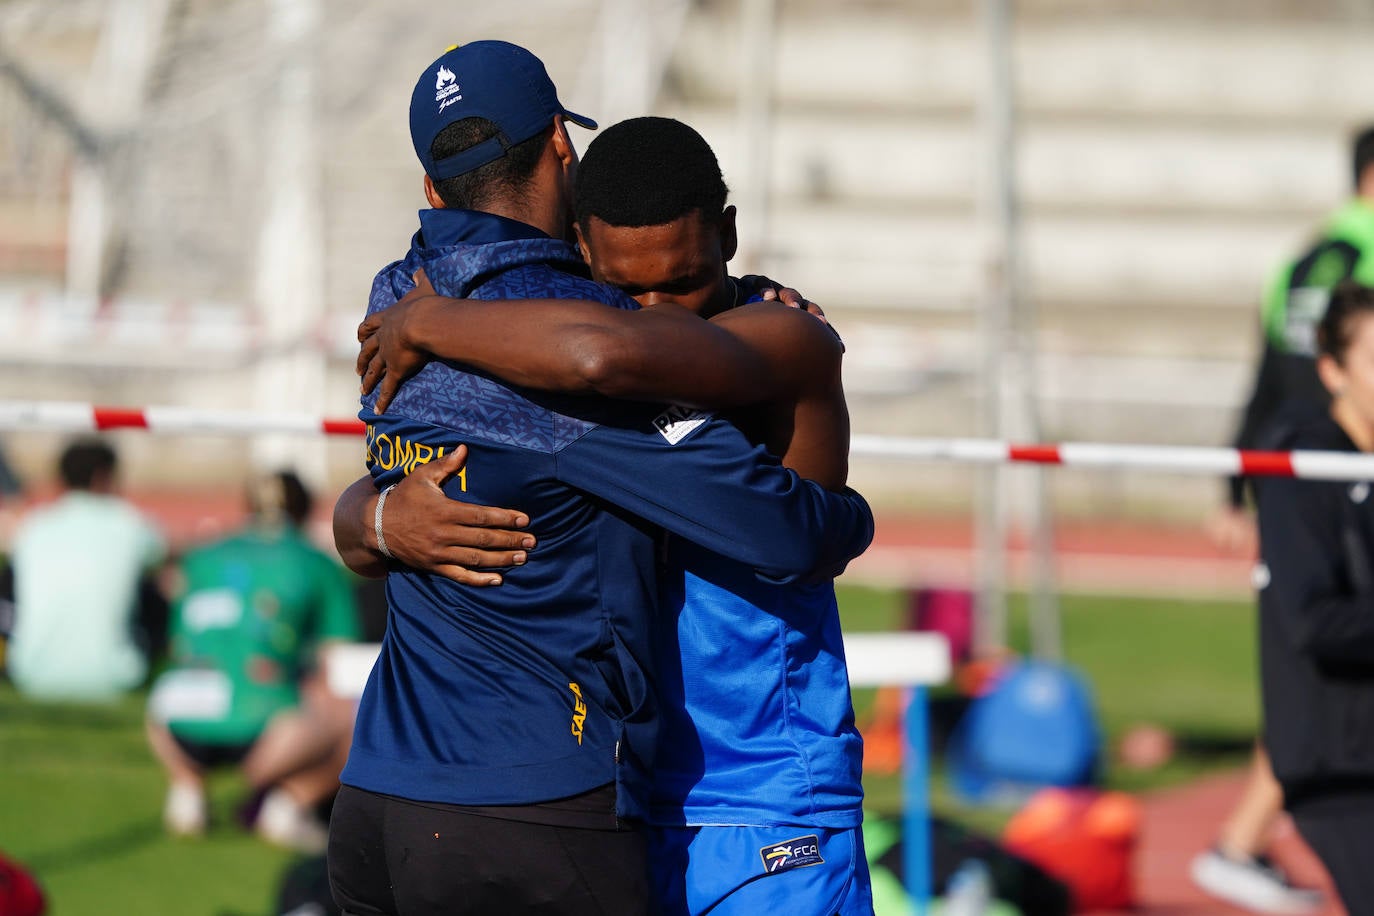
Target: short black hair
[(1349, 302), (1363, 153), (505, 177), (647, 172), (281, 493), (83, 461)]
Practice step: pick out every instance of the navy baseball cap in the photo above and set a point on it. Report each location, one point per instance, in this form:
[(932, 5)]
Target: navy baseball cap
[(495, 80)]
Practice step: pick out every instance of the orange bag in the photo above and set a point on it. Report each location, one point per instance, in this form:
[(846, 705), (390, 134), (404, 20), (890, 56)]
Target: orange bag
[(1085, 838)]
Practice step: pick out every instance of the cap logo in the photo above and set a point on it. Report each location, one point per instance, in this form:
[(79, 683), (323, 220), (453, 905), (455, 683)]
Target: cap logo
[(447, 88)]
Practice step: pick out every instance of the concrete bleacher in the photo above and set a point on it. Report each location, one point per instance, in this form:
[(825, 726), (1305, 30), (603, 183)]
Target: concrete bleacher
[(1163, 160)]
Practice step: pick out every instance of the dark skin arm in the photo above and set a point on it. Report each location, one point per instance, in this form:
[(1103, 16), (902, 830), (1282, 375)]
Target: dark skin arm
[(790, 374), (765, 354), (427, 530), (806, 421), (564, 345)]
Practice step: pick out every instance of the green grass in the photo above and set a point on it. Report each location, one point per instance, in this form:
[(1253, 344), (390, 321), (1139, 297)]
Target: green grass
[(80, 795), (82, 798), (1188, 665)]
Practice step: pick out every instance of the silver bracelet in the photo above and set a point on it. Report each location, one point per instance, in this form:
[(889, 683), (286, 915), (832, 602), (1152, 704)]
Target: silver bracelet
[(377, 522)]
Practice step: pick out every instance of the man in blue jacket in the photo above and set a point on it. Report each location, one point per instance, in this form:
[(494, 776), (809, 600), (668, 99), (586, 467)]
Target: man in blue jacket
[(504, 735)]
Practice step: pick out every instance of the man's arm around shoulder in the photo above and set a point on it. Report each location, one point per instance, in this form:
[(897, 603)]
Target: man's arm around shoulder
[(427, 531)]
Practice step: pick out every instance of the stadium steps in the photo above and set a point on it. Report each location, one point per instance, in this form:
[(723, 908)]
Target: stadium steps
[(1169, 155)]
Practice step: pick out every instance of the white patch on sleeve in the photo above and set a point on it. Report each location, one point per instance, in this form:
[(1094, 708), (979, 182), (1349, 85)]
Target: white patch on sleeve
[(677, 423)]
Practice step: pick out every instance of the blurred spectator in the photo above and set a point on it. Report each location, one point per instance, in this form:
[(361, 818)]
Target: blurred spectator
[(78, 565), (1286, 387), (1293, 306), (10, 484), (1317, 613), (11, 489), (1236, 868), (245, 684)]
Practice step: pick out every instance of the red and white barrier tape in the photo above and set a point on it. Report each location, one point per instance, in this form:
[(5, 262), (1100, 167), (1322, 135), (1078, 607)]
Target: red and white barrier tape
[(1311, 465), (72, 417), (75, 417)]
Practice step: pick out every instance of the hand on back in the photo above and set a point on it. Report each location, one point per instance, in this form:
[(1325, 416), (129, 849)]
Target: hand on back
[(387, 356)]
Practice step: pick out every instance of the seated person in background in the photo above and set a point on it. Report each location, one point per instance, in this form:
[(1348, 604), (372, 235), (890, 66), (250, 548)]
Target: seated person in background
[(78, 564), (252, 614)]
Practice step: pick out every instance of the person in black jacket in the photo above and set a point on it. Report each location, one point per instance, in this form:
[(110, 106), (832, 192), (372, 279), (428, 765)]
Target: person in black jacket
[(1317, 614), (1285, 384)]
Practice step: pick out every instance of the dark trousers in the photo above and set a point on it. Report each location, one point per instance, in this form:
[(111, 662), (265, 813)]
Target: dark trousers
[(392, 857), (1342, 836)]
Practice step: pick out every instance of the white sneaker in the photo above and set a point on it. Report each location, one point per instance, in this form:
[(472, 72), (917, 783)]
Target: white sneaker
[(283, 822), (1253, 883), (185, 813)]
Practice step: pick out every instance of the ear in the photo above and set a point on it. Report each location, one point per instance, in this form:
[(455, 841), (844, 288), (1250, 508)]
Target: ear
[(582, 243), (562, 143), (729, 235), (432, 194), (1331, 374)]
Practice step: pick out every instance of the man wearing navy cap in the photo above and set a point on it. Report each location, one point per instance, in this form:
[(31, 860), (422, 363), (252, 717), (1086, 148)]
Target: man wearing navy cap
[(502, 740), (502, 83)]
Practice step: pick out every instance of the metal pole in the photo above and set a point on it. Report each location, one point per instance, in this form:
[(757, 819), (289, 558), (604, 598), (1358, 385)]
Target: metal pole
[(1010, 341), (128, 47), (87, 223), (996, 213), (624, 67), (290, 271), (757, 32), (917, 845), (1024, 393)]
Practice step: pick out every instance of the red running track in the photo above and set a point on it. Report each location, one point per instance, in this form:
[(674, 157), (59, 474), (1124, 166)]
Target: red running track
[(1181, 822)]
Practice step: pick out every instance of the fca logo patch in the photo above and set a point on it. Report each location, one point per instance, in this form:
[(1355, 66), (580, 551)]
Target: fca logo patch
[(795, 853)]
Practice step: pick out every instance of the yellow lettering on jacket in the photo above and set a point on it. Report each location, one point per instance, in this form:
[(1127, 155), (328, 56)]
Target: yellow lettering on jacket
[(579, 718), (392, 452)]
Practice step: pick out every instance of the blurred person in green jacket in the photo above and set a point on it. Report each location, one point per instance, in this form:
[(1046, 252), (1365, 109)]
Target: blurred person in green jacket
[(246, 687), (1294, 302)]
